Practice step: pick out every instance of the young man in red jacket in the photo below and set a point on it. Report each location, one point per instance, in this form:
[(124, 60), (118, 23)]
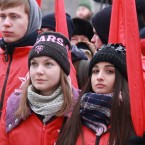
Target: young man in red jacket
[(19, 22)]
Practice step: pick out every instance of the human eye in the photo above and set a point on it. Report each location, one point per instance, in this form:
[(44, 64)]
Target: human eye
[(14, 17), (95, 71), (73, 39), (2, 16), (48, 64), (110, 70), (84, 39), (33, 63)]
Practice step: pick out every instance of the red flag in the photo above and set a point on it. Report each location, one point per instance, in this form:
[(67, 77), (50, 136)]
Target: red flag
[(124, 29), (39, 2), (61, 26)]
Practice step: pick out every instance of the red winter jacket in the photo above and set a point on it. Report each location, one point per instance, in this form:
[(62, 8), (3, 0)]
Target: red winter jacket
[(90, 137), (31, 132), (12, 73)]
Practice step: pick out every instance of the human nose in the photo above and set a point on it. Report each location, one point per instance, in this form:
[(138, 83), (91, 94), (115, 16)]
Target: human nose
[(7, 22), (100, 76), (79, 40), (39, 70)]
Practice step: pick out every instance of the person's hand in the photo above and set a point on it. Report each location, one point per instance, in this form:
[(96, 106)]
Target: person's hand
[(91, 46), (137, 140)]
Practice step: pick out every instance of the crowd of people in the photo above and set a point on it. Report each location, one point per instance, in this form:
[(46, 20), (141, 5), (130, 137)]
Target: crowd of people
[(38, 103)]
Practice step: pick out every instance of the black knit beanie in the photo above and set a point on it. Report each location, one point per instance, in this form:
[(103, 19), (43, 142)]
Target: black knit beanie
[(48, 21), (51, 44), (83, 27), (101, 23), (112, 53)]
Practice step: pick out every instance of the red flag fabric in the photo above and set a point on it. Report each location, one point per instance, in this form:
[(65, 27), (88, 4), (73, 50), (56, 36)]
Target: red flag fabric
[(39, 2), (61, 26), (124, 29), (142, 42)]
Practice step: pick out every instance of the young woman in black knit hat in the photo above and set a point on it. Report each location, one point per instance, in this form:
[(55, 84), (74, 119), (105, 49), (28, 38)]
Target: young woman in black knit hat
[(102, 115), (37, 115)]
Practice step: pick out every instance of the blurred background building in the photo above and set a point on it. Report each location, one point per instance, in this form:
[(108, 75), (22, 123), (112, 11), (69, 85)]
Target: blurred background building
[(70, 6)]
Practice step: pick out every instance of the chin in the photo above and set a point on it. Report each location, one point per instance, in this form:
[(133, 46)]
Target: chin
[(9, 40), (101, 92), (39, 87)]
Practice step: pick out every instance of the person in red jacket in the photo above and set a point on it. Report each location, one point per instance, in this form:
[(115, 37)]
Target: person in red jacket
[(19, 22), (36, 116), (102, 115)]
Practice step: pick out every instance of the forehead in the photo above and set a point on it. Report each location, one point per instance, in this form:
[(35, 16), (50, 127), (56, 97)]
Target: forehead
[(103, 64), (14, 10), (41, 58), (83, 8)]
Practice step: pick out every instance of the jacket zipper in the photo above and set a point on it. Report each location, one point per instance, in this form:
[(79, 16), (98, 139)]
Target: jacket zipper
[(43, 133), (4, 85)]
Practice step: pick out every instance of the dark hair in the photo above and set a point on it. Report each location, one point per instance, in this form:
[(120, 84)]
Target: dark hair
[(72, 129), (121, 123)]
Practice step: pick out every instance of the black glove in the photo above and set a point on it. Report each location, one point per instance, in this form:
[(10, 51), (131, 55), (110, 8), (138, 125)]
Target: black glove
[(137, 140)]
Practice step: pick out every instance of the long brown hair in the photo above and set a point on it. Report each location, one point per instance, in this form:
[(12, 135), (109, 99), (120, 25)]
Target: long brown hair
[(23, 109), (121, 123)]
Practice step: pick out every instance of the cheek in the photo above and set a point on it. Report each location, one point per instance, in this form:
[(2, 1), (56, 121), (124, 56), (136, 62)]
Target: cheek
[(74, 42), (93, 80), (0, 25), (55, 71), (24, 28), (32, 73), (86, 11), (98, 42), (23, 25), (112, 82)]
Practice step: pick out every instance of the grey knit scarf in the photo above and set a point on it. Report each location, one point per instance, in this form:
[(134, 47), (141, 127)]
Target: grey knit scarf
[(47, 106)]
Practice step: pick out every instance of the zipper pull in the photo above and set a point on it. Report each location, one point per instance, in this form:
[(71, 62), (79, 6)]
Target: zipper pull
[(6, 57), (6, 53), (44, 126)]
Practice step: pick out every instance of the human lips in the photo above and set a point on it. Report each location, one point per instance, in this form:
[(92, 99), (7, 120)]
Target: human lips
[(100, 86), (40, 80), (6, 33)]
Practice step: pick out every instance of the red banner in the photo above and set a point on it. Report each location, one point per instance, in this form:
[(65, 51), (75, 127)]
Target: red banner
[(61, 26), (39, 2), (124, 29)]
